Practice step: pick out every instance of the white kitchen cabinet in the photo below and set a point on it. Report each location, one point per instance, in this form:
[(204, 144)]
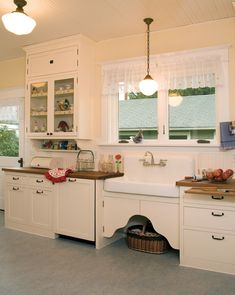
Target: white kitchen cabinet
[(29, 204), (52, 107), (75, 208), (60, 88), (207, 230)]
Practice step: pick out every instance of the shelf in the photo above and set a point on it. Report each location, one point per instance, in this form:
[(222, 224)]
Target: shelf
[(38, 114), (38, 95), (62, 92), (59, 113), (54, 150)]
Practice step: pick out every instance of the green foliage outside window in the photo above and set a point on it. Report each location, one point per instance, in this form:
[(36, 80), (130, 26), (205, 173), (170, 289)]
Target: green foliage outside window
[(9, 142), (176, 92)]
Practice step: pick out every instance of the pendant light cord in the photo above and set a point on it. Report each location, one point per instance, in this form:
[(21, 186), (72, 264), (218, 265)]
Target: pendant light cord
[(148, 51), (148, 21)]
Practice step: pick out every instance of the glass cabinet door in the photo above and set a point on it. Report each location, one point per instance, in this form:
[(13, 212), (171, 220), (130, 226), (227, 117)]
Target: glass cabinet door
[(38, 107), (64, 106)]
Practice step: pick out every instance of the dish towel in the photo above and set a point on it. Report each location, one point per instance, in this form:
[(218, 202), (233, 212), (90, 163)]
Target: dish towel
[(57, 174), (227, 135)]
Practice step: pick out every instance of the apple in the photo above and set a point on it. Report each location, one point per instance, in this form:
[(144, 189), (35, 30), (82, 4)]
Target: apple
[(227, 174), (209, 175), (217, 173)]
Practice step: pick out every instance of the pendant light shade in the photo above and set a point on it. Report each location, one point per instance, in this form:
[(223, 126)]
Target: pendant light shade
[(17, 22), (148, 86)]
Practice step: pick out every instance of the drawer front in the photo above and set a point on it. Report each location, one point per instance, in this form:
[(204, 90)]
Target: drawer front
[(39, 181), (209, 218), (222, 200), (16, 179), (56, 61), (212, 246)]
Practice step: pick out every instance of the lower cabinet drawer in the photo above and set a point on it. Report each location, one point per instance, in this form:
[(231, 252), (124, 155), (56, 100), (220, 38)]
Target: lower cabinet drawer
[(223, 200), (213, 246), (209, 218)]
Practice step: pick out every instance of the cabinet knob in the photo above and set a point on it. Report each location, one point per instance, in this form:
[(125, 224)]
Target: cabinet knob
[(51, 133), (51, 61), (48, 133)]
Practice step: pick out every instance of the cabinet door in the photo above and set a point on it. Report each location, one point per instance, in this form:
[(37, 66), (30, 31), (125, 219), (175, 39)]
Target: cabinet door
[(51, 107), (16, 204), (37, 108), (53, 62), (41, 208), (65, 106), (75, 209)]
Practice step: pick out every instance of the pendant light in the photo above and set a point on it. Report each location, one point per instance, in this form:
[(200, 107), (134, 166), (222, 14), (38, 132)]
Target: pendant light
[(18, 22), (148, 86)]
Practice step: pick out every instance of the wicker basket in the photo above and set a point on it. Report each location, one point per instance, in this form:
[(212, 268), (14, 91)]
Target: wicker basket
[(144, 238)]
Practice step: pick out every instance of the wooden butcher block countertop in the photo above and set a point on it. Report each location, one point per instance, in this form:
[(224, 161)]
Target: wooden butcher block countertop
[(230, 184), (82, 174)]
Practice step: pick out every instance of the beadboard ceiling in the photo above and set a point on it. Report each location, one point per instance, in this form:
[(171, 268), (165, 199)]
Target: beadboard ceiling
[(106, 19)]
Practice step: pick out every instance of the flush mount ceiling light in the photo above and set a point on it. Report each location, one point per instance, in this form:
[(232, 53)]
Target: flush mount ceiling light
[(148, 86), (18, 22)]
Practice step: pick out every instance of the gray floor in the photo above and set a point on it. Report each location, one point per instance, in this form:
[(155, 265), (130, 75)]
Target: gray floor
[(31, 265)]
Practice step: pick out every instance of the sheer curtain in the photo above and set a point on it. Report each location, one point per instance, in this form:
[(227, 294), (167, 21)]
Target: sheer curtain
[(191, 69)]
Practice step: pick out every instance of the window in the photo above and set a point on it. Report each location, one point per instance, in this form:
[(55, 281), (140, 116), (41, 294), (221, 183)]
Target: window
[(9, 130), (186, 108)]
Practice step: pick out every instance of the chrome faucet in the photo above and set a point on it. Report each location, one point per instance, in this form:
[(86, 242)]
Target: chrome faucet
[(162, 162), (151, 155)]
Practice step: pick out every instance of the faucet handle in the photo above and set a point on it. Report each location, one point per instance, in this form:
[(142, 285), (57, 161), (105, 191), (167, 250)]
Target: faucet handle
[(162, 162), (142, 160)]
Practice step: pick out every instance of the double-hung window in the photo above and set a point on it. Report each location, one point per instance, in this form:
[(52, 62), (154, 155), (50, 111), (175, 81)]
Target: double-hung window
[(191, 100)]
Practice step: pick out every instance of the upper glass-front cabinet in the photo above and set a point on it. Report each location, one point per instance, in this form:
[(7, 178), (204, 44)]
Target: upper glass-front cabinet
[(52, 108), (64, 105), (38, 107)]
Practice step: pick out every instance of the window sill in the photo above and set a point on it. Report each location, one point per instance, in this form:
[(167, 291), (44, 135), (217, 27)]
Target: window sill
[(171, 144)]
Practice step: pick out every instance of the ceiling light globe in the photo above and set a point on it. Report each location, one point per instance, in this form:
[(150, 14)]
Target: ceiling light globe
[(18, 23), (148, 86)]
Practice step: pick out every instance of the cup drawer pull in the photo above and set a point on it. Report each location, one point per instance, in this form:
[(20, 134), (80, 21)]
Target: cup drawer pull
[(15, 188), (217, 198), (218, 239), (39, 192), (39, 180), (72, 180), (15, 178), (217, 214)]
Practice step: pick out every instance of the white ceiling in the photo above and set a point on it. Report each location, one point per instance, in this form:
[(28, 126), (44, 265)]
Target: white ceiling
[(106, 19)]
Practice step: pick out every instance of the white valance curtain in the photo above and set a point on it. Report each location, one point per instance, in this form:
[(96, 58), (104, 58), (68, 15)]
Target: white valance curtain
[(192, 69)]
